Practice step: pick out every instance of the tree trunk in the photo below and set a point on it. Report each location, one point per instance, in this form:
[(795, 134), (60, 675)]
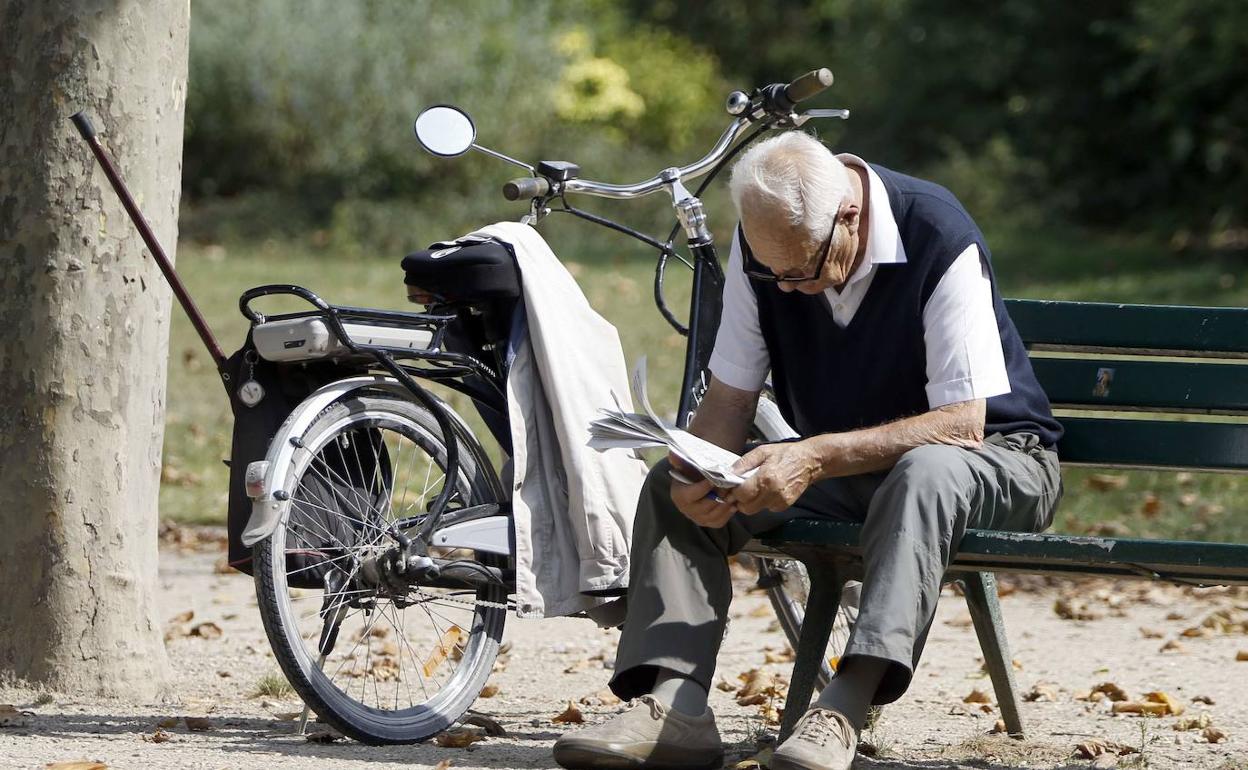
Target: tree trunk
[(85, 320)]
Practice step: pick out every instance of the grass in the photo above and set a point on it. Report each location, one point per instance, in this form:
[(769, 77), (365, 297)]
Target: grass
[(273, 686), (617, 279)]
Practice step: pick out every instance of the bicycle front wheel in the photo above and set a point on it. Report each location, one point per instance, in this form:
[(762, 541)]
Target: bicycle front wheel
[(379, 663)]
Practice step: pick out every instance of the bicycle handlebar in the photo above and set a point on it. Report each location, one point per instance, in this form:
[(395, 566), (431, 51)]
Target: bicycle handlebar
[(773, 100), (809, 85)]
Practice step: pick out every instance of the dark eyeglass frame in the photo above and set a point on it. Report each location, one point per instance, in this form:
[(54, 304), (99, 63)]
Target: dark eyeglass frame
[(770, 277)]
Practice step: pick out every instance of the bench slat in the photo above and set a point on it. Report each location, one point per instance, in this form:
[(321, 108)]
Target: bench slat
[(988, 550), (1141, 327), (1154, 443), (1159, 385)]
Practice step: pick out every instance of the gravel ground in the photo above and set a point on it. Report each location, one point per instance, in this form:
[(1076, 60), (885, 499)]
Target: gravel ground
[(932, 727)]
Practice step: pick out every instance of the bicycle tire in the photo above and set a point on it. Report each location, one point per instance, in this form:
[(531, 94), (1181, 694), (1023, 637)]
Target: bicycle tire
[(476, 642)]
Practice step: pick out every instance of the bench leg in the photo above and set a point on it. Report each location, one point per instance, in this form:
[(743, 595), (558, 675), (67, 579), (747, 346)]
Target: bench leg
[(981, 598), (821, 607)]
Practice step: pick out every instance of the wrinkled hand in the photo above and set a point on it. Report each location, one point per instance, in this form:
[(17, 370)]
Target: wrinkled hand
[(693, 500), (784, 472)]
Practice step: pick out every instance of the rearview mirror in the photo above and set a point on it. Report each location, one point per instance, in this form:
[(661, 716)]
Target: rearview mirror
[(445, 130)]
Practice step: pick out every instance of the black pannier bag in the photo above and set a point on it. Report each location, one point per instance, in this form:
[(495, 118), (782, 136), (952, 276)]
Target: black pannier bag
[(331, 494)]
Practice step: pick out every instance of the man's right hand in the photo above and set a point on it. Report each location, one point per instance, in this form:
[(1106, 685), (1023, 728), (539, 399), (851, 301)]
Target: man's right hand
[(698, 501)]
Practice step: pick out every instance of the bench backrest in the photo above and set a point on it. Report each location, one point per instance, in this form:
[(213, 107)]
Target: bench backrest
[(1142, 386)]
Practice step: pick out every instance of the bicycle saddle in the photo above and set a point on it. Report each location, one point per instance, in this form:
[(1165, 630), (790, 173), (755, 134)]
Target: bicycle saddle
[(468, 270)]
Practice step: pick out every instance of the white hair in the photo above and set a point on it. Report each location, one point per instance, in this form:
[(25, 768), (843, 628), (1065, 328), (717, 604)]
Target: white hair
[(795, 177)]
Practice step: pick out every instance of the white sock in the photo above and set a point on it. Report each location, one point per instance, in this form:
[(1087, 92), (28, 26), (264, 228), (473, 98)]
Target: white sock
[(680, 693), (852, 689)]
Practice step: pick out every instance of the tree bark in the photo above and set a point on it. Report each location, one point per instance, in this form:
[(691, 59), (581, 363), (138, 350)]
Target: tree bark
[(85, 320)]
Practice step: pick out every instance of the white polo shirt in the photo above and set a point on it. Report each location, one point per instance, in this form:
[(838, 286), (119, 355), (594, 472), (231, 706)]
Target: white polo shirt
[(964, 358)]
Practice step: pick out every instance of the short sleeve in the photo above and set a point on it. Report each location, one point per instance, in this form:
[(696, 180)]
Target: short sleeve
[(740, 358), (963, 342)]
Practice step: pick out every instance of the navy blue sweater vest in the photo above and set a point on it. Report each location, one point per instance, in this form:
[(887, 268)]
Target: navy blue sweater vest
[(828, 379)]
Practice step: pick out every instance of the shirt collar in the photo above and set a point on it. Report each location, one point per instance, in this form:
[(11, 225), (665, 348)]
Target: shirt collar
[(884, 245)]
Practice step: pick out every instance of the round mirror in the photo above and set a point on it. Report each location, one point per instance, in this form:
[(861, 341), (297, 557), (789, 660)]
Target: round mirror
[(445, 131)]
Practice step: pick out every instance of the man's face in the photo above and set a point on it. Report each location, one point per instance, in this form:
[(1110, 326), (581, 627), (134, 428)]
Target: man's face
[(813, 267)]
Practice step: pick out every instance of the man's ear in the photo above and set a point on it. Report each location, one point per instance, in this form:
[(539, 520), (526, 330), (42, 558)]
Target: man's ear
[(852, 217)]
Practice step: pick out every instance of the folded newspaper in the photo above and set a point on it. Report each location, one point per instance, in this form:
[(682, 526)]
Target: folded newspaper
[(619, 429)]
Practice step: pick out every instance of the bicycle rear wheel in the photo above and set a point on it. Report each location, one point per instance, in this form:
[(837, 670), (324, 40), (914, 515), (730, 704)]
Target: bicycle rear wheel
[(381, 664)]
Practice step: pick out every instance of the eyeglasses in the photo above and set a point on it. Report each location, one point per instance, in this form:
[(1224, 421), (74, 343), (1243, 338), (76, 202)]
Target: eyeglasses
[(770, 277)]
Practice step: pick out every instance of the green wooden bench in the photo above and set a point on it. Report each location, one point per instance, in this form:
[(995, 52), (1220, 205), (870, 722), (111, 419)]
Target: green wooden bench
[(1135, 386)]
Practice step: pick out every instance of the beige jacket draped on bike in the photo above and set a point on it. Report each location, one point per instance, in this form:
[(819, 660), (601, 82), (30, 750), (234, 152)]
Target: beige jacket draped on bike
[(573, 507)]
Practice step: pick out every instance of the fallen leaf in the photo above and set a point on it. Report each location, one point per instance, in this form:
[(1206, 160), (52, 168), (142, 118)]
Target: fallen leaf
[(1111, 691), (323, 735), (1151, 505), (1212, 735), (81, 764), (1105, 482), (489, 691), (998, 726), (1146, 708), (450, 639), (1069, 608), (1040, 693), (1205, 699), (1097, 746), (443, 765), (1195, 632), (1176, 615), (834, 662), (459, 737), (492, 728), (977, 696), (761, 611), (1174, 645), (1193, 723), (206, 631), (197, 724), (12, 717), (1242, 655), (182, 617), (1151, 633), (753, 683), (159, 736), (760, 761), (783, 656), (570, 716), (1173, 707), (723, 685), (605, 697)]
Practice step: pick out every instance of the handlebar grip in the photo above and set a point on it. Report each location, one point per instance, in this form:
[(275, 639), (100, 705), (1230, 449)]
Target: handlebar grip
[(526, 187), (808, 85)]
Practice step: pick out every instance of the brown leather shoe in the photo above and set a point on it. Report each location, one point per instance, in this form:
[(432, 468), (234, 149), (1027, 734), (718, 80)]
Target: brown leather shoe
[(648, 735), (823, 739)]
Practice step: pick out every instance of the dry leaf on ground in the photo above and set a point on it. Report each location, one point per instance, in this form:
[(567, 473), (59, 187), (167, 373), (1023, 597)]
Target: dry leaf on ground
[(1040, 693), (1205, 699), (723, 685), (1069, 608), (159, 736), (1094, 748), (1242, 655), (1174, 645), (81, 764), (1173, 707), (605, 697), (197, 724), (12, 717), (207, 631), (753, 683), (1151, 633), (1193, 723), (323, 735), (182, 617), (1212, 735), (1105, 482), (759, 761), (782, 656), (459, 737), (492, 728), (977, 696), (489, 691), (998, 726), (570, 716), (443, 765), (449, 641)]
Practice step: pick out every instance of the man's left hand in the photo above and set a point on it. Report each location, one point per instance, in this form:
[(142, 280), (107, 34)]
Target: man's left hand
[(784, 472)]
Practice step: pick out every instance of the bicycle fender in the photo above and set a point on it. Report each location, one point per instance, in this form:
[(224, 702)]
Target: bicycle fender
[(273, 477)]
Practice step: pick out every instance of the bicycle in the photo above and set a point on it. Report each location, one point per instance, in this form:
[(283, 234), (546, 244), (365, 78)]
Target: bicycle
[(380, 529)]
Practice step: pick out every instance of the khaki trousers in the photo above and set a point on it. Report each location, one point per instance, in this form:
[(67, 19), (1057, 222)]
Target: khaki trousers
[(913, 517)]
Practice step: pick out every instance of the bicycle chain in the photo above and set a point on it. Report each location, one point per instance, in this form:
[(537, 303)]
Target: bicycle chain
[(467, 602)]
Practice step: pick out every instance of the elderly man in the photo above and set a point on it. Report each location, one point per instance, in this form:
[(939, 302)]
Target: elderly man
[(870, 298)]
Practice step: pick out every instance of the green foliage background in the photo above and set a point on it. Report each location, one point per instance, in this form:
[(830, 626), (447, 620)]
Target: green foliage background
[(1100, 146)]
